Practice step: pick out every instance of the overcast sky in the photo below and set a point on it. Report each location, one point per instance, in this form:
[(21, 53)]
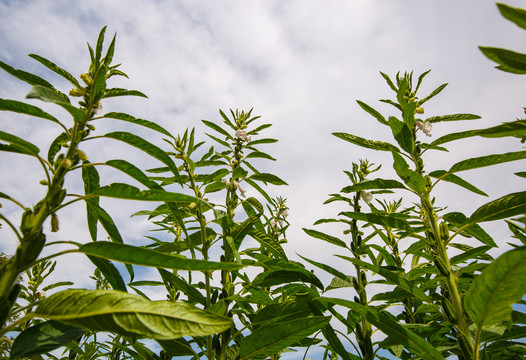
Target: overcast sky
[(300, 64)]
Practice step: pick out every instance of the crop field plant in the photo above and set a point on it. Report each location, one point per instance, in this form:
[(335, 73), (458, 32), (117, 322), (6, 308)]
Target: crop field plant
[(231, 290)]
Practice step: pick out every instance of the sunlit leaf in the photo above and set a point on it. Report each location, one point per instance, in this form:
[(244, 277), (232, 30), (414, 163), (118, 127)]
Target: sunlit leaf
[(487, 161), (122, 92), (510, 61), (325, 237), (268, 178), (56, 69), (460, 221), (452, 117), (373, 112), (413, 180), (24, 76), (17, 144), (27, 109), (273, 246), (452, 178), (129, 315), (514, 128), (506, 206), (374, 185), (370, 144), (142, 122), (402, 134)]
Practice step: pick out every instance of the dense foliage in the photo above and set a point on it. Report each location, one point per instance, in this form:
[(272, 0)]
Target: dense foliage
[(231, 290)]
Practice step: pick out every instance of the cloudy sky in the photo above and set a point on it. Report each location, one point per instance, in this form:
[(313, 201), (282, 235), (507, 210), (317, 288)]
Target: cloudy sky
[(300, 64)]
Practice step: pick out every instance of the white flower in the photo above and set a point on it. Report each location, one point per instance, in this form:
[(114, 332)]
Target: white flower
[(366, 196), (285, 213), (242, 134), (241, 191), (424, 126)]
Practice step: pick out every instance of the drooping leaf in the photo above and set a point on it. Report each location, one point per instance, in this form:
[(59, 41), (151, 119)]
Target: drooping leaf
[(56, 69), (23, 108), (491, 295), (110, 272), (373, 112), (325, 237), (513, 128), (338, 274), (509, 61), (272, 339), (396, 331), (370, 144), (134, 172), (129, 315), (43, 338), (517, 15), (472, 228), (285, 276), (125, 191), (488, 160), (17, 144), (452, 178), (29, 78), (141, 122), (51, 95), (145, 257), (374, 185)]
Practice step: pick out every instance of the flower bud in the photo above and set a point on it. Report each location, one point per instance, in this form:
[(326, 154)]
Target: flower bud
[(82, 156), (66, 163), (77, 92), (54, 222), (86, 78), (419, 110), (444, 231), (44, 182)]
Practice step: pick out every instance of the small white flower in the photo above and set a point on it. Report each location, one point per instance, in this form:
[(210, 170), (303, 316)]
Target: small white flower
[(241, 191), (40, 294), (242, 134), (366, 196), (225, 181), (424, 126), (285, 213)]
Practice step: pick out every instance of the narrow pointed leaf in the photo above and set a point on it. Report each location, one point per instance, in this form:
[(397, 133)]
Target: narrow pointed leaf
[(374, 185), (122, 92), (217, 128), (180, 284), (487, 161), (109, 53), (43, 338), (516, 15), (453, 117), (432, 95), (24, 76), (384, 220), (472, 228), (506, 206), (273, 338), (110, 272), (53, 67), (259, 154), (338, 274), (141, 256), (370, 144), (23, 108), (285, 276), (452, 178), (510, 61), (397, 332), (491, 295), (272, 246), (325, 237), (17, 144), (100, 41), (130, 315), (268, 178), (91, 180), (453, 136), (373, 112), (514, 128), (134, 172)]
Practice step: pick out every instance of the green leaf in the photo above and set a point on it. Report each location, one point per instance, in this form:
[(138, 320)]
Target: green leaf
[(145, 257), (328, 238), (433, 94), (453, 117), (453, 136), (24, 76), (487, 161), (373, 112), (338, 274), (373, 185), (56, 145), (122, 92), (517, 15), (145, 146), (23, 108), (110, 51), (134, 172), (130, 315), (402, 134), (509, 61), (142, 122), (514, 128), (504, 207), (413, 180), (262, 141), (217, 128), (469, 255), (53, 67), (370, 144), (389, 81), (91, 180), (43, 338), (51, 95), (259, 154), (491, 295), (384, 220), (110, 272), (417, 345), (180, 284), (17, 145), (105, 220), (281, 276), (272, 339), (452, 178), (268, 178), (273, 246), (472, 228)]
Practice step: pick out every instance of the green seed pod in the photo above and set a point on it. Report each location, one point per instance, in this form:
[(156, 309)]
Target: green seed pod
[(449, 311), (444, 231), (465, 345), (441, 266), (44, 182), (54, 223)]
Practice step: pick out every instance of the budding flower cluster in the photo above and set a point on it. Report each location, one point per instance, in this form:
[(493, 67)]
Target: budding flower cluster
[(236, 185), (242, 134)]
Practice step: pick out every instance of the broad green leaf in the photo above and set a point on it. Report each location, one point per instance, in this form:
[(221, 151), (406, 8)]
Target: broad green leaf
[(433, 94), (130, 315), (56, 145), (491, 295), (504, 207), (284, 311), (43, 338), (469, 255), (110, 272), (17, 144), (513, 128), (259, 154), (510, 61), (272, 339), (239, 172), (23, 108), (53, 67), (452, 178), (218, 128), (413, 180), (394, 330), (176, 347), (373, 185), (472, 228), (91, 180), (122, 92), (24, 76), (145, 146), (384, 220), (517, 15), (273, 246), (452, 117), (181, 284), (269, 178), (142, 122), (402, 134), (216, 176), (145, 257), (370, 144), (373, 112), (215, 186), (328, 238), (487, 161)]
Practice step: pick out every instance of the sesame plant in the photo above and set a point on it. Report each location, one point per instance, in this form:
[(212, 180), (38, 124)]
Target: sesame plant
[(452, 305)]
